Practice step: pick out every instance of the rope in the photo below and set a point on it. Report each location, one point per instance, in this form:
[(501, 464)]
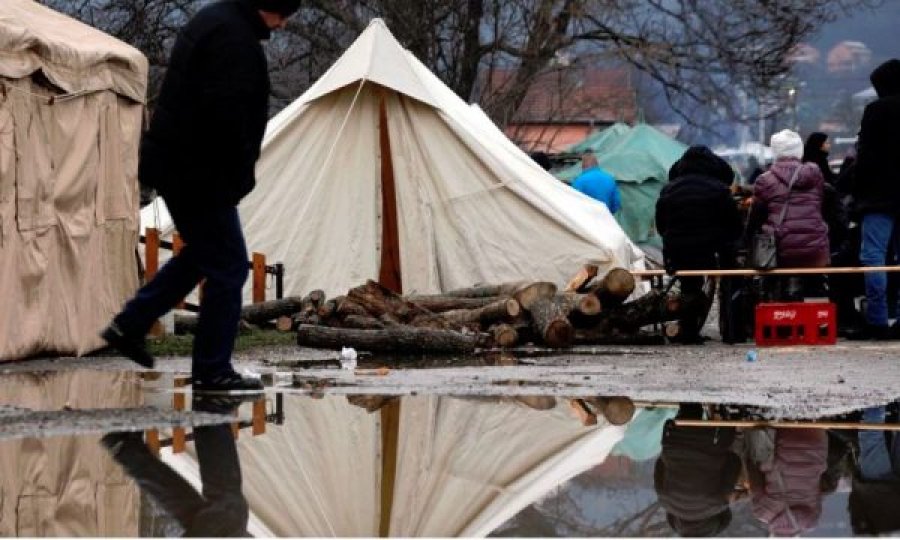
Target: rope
[(773, 272), (49, 99), (331, 150)]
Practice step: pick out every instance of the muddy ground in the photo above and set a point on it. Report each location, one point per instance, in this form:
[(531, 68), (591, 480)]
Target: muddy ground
[(799, 382)]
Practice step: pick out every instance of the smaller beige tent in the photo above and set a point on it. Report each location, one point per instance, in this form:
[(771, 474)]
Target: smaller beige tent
[(70, 119), (66, 486)]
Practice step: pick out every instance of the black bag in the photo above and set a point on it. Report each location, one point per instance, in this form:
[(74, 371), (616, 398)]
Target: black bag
[(764, 247)]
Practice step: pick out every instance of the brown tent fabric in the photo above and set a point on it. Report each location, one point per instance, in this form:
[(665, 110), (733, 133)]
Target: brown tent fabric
[(66, 486), (70, 122)]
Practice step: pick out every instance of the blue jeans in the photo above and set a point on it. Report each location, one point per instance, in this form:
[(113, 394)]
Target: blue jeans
[(876, 244), (215, 250), (878, 460)]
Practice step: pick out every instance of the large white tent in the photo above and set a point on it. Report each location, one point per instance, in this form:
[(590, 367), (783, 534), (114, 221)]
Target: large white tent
[(380, 171), (434, 466)]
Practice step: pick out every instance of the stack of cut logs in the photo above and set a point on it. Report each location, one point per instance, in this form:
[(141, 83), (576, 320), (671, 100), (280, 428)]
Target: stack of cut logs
[(591, 310)]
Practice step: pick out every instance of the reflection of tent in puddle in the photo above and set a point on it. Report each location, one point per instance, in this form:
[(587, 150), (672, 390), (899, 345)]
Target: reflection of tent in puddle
[(66, 486), (460, 466)]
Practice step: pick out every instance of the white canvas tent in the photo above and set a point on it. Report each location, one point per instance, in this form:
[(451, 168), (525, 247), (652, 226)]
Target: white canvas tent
[(71, 101), (458, 466), (380, 171)]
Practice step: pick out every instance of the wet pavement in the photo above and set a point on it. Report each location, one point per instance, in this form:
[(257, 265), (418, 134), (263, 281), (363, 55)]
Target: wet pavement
[(520, 444)]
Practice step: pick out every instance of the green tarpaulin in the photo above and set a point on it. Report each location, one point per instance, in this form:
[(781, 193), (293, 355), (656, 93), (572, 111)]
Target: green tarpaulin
[(639, 158)]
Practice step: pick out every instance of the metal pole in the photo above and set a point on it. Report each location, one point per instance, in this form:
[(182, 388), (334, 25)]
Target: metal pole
[(279, 281)]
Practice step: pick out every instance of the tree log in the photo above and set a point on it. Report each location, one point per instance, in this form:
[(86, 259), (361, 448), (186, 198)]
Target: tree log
[(501, 310), (272, 309), (255, 314), (481, 291), (371, 403), (614, 288), (348, 307), (538, 403), (581, 279), (585, 304), (392, 340), (378, 300), (284, 324), (550, 321), (653, 307), (504, 335), (363, 322), (316, 298), (439, 303), (530, 293), (583, 412), (329, 308), (593, 336), (618, 411)]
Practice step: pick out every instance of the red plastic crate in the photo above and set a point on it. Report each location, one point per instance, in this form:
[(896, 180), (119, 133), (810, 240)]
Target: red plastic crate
[(796, 323)]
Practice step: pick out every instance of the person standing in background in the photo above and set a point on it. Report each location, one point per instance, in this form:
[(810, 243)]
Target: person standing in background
[(597, 183)]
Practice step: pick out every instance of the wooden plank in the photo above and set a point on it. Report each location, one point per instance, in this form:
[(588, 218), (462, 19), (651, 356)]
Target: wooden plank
[(584, 414), (151, 253), (587, 273), (390, 433), (747, 424), (389, 274), (151, 438), (773, 272), (151, 267), (177, 246), (259, 417), (259, 278), (179, 435)]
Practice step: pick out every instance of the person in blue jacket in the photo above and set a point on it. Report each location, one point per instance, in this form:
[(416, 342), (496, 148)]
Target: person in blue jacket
[(597, 183)]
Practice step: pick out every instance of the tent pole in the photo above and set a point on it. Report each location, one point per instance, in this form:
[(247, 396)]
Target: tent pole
[(389, 274), (390, 432)]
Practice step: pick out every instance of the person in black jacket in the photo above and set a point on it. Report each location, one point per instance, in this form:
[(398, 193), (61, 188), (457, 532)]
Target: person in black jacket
[(199, 154), (699, 223), (816, 150), (695, 475), (876, 193)]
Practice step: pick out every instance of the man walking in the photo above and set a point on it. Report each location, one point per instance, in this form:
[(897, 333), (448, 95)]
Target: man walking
[(199, 154), (876, 191)]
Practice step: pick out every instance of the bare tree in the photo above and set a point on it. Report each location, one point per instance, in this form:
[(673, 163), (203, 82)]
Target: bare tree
[(697, 51)]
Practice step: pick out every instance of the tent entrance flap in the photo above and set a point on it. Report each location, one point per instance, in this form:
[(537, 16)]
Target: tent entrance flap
[(389, 273)]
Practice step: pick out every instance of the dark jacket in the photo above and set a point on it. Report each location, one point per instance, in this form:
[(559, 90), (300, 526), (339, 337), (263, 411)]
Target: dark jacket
[(696, 472), (873, 506), (802, 237), (208, 124), (695, 214), (876, 186)]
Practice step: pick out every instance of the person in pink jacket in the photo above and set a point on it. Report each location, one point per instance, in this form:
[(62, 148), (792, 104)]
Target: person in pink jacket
[(786, 485)]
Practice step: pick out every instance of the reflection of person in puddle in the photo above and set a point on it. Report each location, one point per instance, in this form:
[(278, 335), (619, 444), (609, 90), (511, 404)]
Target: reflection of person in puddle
[(785, 468), (875, 498), (695, 475), (221, 510)]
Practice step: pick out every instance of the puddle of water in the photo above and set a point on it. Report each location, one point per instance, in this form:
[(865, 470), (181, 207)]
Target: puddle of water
[(156, 459)]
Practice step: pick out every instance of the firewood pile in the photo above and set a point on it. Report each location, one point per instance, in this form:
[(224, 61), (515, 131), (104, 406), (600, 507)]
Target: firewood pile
[(370, 317)]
